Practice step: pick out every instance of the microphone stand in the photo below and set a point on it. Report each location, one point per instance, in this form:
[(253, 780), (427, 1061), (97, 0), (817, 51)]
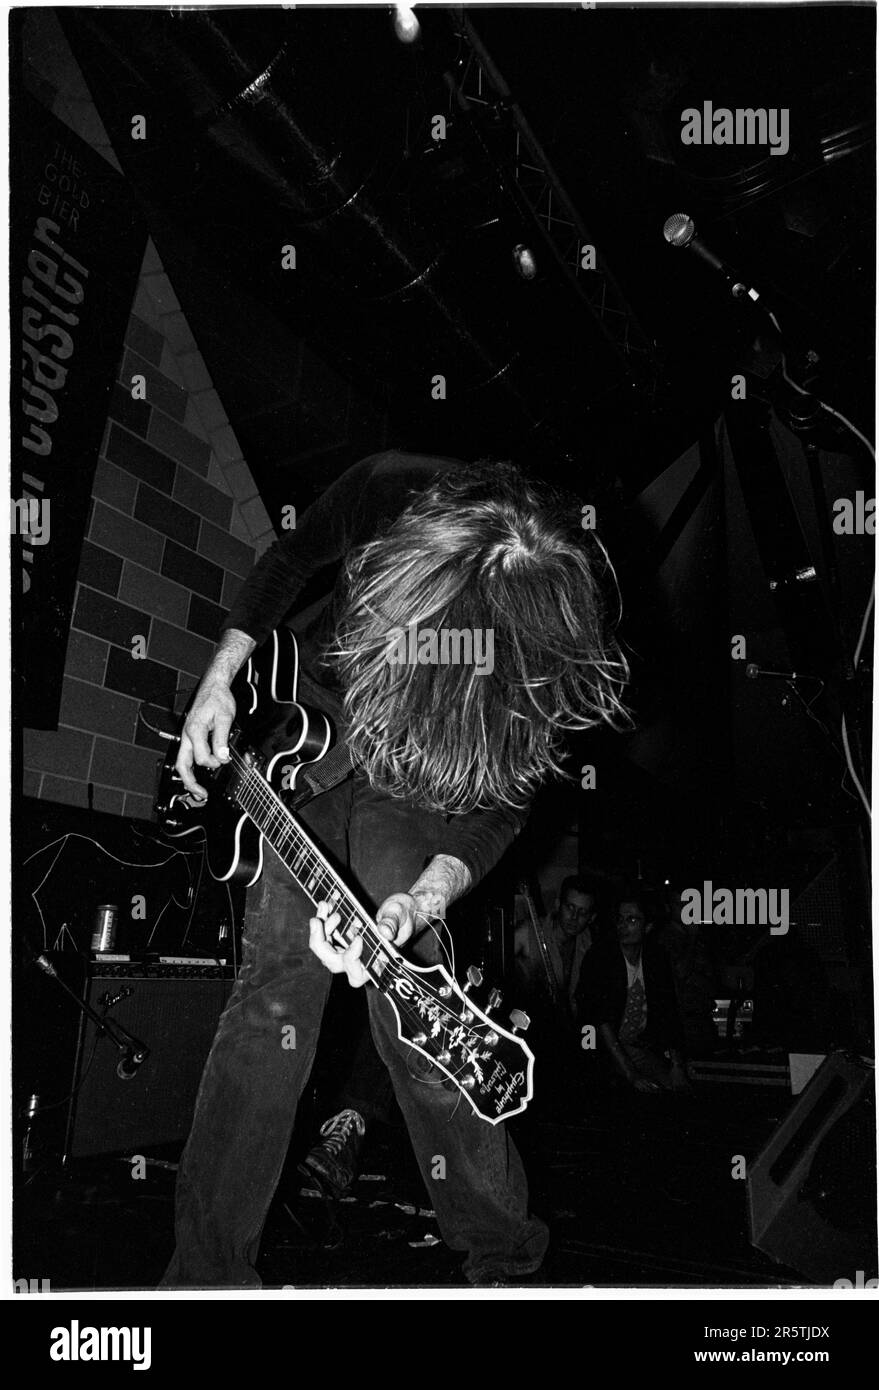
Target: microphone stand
[(133, 1052), (802, 413), (803, 416), (794, 400)]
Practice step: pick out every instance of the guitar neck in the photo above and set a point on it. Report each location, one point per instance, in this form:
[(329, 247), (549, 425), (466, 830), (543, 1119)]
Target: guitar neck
[(307, 865)]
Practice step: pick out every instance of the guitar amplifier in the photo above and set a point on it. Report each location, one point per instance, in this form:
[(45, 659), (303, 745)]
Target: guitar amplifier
[(173, 1008)]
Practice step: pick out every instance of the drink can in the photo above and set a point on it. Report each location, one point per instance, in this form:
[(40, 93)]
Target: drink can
[(104, 933)]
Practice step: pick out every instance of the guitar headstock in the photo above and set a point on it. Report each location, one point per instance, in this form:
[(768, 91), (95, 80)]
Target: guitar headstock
[(491, 1065)]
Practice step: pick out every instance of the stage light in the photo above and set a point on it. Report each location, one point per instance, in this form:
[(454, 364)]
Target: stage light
[(523, 260), (406, 26)]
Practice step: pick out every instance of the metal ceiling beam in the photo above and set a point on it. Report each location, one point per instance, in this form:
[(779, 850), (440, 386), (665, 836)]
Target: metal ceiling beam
[(552, 210)]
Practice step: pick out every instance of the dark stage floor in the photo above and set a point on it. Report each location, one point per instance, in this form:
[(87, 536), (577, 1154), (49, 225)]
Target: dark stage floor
[(641, 1195)]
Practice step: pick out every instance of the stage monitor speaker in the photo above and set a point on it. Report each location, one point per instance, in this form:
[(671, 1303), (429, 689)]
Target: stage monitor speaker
[(176, 1016), (812, 1189), (818, 913)]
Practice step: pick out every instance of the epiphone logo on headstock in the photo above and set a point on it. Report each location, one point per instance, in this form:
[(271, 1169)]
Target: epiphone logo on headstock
[(507, 1092), (404, 987)]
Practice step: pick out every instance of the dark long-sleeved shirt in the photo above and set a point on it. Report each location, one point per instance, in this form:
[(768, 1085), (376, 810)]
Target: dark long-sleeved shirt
[(350, 513), (601, 997)]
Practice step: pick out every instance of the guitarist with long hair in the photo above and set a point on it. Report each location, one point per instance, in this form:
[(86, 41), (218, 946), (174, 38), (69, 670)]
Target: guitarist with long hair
[(445, 756)]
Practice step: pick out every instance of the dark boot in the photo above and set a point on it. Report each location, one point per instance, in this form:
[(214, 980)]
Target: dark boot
[(334, 1160)]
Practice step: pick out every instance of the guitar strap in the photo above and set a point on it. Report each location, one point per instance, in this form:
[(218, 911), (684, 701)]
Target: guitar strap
[(334, 766), (320, 777)]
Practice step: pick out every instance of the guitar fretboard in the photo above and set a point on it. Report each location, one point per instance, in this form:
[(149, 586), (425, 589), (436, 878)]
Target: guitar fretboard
[(315, 876)]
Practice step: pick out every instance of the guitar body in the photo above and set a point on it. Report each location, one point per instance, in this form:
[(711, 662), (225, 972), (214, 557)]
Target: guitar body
[(266, 710)]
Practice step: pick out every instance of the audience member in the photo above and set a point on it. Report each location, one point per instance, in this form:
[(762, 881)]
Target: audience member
[(627, 994), (567, 932)]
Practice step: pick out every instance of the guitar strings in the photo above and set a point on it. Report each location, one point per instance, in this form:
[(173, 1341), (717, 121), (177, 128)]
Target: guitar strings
[(264, 792), (307, 857), (282, 822), (449, 954)]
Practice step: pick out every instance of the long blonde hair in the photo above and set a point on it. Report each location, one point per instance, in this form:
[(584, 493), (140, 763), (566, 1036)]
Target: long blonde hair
[(482, 548)]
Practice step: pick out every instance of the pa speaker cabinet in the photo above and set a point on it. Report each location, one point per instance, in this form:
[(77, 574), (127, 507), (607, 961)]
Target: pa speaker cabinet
[(176, 1017), (812, 1189)]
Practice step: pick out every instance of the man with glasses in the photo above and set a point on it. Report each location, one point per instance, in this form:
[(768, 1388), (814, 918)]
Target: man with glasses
[(628, 996)]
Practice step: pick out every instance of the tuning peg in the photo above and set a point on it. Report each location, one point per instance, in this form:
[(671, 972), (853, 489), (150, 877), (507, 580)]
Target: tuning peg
[(474, 978), (493, 1000), (519, 1020)]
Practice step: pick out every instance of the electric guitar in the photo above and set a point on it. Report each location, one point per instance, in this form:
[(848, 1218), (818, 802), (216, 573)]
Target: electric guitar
[(247, 808)]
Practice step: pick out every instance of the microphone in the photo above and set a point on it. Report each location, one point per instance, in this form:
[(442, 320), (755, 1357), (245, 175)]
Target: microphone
[(134, 1052), (754, 672), (680, 230), (131, 1062)]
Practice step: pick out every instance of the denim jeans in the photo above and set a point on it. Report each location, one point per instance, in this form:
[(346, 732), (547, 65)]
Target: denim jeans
[(367, 1087), (258, 1066)]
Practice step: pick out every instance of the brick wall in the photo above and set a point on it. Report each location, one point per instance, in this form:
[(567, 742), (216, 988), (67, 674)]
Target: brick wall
[(176, 523)]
